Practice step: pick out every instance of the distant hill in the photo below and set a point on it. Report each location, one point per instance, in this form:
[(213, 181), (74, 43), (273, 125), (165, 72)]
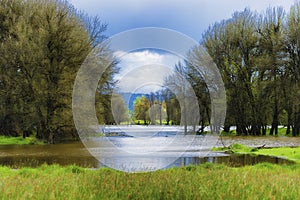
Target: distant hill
[(129, 98)]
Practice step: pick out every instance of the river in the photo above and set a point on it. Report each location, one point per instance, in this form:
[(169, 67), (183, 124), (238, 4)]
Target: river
[(141, 153)]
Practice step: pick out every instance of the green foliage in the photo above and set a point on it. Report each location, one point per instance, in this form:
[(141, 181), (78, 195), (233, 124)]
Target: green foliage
[(206, 181), (43, 44), (230, 133), (172, 109), (181, 84), (4, 140), (141, 109), (257, 56), (240, 148)]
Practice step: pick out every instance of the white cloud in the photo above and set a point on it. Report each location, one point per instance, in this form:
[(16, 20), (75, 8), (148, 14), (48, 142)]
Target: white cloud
[(144, 71)]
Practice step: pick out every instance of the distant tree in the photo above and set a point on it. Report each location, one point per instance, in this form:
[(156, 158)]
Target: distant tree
[(195, 75), (173, 111), (178, 83), (141, 109), (156, 111), (119, 109), (153, 108), (172, 107)]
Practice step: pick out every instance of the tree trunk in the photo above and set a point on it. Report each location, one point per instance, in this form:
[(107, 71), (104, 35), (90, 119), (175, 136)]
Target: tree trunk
[(290, 121), (226, 128), (264, 130), (160, 114), (51, 137), (296, 127), (274, 127)]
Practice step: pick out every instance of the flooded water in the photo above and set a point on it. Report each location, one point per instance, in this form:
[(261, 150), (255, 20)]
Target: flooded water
[(141, 154), (36, 155)]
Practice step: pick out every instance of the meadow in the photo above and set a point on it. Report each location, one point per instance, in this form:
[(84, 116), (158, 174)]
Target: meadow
[(206, 181)]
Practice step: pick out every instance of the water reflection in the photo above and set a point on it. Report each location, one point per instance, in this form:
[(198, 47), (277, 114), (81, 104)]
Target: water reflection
[(75, 153), (232, 160)]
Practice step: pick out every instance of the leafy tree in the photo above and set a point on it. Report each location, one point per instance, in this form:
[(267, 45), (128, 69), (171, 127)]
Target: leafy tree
[(141, 109), (272, 49), (178, 83), (157, 110), (290, 79), (10, 18), (232, 44), (44, 43), (173, 113), (119, 109), (249, 51)]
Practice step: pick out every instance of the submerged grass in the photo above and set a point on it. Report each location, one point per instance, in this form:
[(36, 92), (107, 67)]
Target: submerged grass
[(207, 181)]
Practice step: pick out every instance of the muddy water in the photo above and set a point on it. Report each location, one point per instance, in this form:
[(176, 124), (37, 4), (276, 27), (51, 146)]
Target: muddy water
[(36, 155)]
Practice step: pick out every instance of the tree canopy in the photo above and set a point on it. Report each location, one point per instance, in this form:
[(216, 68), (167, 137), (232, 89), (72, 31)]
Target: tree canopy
[(43, 44), (257, 56)]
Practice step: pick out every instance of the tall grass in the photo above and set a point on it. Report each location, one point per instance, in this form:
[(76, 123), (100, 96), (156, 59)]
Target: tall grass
[(208, 181)]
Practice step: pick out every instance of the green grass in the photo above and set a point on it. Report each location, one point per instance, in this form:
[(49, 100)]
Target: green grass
[(287, 152), (290, 153), (281, 132), (235, 148), (208, 181), (18, 140)]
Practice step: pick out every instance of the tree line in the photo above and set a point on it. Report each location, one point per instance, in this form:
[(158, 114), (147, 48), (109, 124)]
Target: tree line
[(157, 108), (42, 45), (258, 56), (44, 42), (184, 100)]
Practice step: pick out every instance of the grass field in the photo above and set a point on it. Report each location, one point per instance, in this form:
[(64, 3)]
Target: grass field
[(207, 181)]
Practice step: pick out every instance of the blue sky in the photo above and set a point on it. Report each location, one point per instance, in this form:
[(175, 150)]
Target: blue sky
[(190, 17), (144, 71)]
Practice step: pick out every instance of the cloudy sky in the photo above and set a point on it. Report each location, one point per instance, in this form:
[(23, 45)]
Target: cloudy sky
[(144, 71), (190, 17)]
